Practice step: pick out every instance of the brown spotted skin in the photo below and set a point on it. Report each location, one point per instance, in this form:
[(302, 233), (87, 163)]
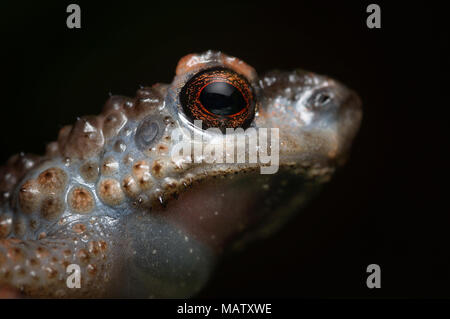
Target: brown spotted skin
[(108, 196)]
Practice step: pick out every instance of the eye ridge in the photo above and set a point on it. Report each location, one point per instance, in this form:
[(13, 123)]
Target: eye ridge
[(191, 99)]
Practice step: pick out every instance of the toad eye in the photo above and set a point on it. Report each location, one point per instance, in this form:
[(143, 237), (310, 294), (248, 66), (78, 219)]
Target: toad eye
[(219, 97)]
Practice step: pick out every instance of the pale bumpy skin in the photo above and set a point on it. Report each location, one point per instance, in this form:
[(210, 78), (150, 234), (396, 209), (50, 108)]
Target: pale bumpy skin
[(108, 196)]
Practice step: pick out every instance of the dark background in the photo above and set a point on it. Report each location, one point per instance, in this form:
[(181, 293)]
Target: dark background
[(386, 206)]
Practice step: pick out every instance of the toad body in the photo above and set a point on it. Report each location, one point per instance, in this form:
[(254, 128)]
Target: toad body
[(142, 200)]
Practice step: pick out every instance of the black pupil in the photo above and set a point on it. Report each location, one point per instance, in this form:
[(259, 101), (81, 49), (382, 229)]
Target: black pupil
[(222, 98)]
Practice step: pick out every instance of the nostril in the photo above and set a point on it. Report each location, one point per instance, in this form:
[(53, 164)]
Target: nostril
[(320, 98)]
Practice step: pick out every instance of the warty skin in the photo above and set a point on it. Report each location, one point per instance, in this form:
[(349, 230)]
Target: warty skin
[(108, 196)]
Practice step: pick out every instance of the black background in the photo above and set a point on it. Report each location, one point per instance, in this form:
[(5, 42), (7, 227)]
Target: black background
[(386, 206)]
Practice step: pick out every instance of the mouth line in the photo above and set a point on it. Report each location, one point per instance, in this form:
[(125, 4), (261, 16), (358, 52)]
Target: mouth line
[(203, 174)]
